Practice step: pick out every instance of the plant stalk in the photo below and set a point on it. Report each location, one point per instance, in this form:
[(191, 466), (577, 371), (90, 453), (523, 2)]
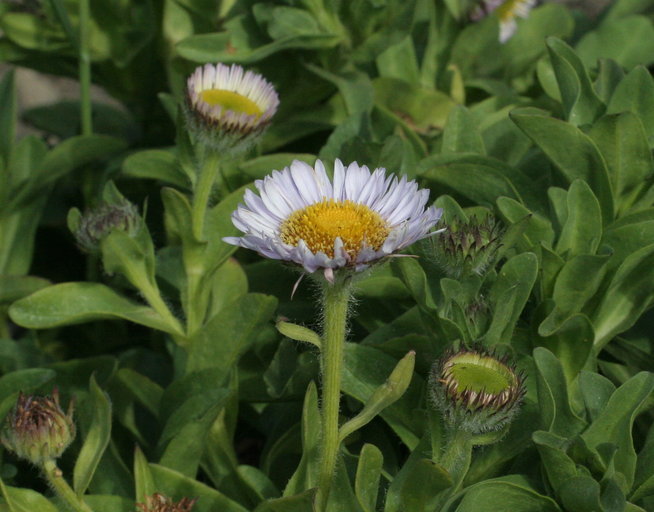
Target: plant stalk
[(56, 480), (335, 301), (85, 68), (457, 456), (202, 192)]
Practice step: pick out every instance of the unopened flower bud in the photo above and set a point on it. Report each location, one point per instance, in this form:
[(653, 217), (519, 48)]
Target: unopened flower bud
[(228, 108), (89, 229), (468, 247), (37, 429), (160, 503), (475, 390)]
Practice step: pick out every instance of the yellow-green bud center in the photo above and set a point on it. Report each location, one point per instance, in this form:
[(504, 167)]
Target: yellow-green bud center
[(230, 100)]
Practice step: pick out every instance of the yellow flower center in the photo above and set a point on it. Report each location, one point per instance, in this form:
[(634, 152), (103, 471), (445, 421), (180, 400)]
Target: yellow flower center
[(230, 100), (319, 224)]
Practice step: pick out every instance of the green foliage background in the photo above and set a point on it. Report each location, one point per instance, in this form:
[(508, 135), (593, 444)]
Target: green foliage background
[(552, 132)]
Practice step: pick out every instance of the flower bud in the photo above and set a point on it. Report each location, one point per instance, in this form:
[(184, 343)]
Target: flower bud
[(37, 429), (160, 503), (89, 229), (475, 390), (468, 247), (228, 108)]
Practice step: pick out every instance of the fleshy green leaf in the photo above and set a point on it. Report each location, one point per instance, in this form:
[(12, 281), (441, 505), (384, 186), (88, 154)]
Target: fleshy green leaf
[(96, 439), (74, 303)]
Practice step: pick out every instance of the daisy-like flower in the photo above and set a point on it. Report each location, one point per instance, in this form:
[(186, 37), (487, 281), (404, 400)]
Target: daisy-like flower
[(301, 216), (507, 11), (227, 108)]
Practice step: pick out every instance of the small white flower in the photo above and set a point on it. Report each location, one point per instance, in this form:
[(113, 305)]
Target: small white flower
[(507, 11), (362, 217), (227, 106)]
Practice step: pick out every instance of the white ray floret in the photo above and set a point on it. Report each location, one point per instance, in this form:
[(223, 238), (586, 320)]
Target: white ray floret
[(360, 217)]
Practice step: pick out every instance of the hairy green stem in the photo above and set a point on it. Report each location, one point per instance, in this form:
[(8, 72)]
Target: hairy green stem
[(85, 68), (335, 301), (202, 191), (457, 456), (56, 480)]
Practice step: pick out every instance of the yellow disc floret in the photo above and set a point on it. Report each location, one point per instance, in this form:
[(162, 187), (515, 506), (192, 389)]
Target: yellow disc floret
[(230, 100), (319, 224)]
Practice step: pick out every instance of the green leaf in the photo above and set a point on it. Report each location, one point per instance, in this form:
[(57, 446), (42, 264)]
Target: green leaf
[(67, 156), (299, 333), (418, 483), (426, 109), (556, 413), (581, 103), (461, 134), (237, 326), (8, 109), (13, 288), (366, 369), (302, 502), (96, 440), (220, 47), (623, 143), (571, 151), (143, 479), (399, 61), (173, 483), (25, 500), (142, 389), (576, 283), (354, 86), (186, 430), (582, 230), (155, 164), (503, 496), (558, 465), (306, 474), (108, 503), (614, 424), (385, 395), (629, 234), (219, 224), (409, 271), (479, 179), (635, 94), (366, 483), (571, 343), (581, 493), (636, 36), (596, 391), (509, 295), (627, 296), (74, 303)]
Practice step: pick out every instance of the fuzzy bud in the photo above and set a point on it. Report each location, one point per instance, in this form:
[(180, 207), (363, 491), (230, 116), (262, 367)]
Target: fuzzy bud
[(37, 429), (161, 503), (468, 247), (89, 229), (475, 390)]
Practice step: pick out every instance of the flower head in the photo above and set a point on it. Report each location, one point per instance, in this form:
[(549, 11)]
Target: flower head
[(301, 216), (37, 429), (475, 390), (507, 11), (89, 229), (160, 503), (228, 107)]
